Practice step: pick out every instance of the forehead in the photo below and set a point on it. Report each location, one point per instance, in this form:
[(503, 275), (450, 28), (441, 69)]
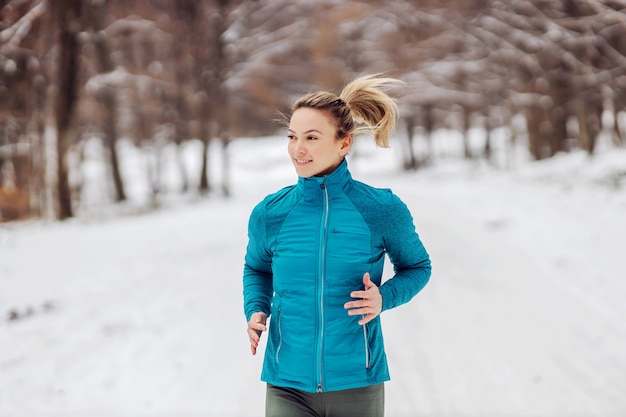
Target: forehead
[(306, 118)]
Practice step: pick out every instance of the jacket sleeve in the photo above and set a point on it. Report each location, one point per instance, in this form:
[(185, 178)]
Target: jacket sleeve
[(406, 252), (257, 271)]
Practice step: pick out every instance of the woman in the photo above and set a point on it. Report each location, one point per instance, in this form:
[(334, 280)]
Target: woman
[(315, 258)]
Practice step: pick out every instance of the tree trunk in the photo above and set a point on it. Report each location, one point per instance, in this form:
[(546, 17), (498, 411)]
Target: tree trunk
[(558, 136), (180, 161), (38, 194), (225, 138), (533, 121), (487, 150), (589, 111), (429, 125), (467, 152), (560, 92), (154, 173), (594, 122), (204, 186), (618, 136), (97, 11), (43, 206), (110, 140), (411, 164), (511, 147), (68, 15)]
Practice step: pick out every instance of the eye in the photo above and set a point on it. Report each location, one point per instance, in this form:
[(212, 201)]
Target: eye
[(291, 137), (311, 138)]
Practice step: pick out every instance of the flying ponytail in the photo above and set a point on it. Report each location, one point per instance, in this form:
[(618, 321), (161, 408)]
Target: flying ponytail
[(372, 108), (364, 106)]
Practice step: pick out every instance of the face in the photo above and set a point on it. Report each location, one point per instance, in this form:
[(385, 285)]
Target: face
[(313, 149)]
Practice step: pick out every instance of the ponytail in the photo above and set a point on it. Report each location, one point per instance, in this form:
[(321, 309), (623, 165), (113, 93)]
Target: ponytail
[(372, 108), (362, 107)]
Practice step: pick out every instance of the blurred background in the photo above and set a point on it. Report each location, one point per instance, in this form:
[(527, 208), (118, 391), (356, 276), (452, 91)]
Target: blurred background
[(152, 75), (148, 127)]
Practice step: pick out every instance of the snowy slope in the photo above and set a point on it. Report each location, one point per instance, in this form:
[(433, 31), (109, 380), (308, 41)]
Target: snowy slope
[(140, 315)]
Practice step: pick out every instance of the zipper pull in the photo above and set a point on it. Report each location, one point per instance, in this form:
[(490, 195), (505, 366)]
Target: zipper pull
[(319, 388)]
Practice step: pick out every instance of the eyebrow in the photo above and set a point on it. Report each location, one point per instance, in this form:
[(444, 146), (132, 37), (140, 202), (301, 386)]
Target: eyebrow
[(308, 131)]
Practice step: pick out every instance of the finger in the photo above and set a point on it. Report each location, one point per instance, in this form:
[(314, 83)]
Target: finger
[(361, 311), (352, 304), (366, 319), (253, 333), (258, 318), (259, 327), (358, 304), (367, 282), (256, 326), (254, 342), (359, 294), (257, 322)]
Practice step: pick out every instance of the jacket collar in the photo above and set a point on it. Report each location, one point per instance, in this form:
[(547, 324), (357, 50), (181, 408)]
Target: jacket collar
[(336, 181)]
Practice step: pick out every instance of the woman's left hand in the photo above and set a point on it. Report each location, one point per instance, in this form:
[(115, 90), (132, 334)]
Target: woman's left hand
[(370, 304)]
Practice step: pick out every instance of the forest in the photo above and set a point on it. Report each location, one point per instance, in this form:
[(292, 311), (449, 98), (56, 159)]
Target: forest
[(159, 73)]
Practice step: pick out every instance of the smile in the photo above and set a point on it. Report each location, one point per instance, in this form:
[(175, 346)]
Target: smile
[(302, 161)]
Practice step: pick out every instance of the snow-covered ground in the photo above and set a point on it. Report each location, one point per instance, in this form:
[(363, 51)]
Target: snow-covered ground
[(140, 314)]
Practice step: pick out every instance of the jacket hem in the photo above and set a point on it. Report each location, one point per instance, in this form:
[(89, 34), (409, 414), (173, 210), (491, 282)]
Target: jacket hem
[(327, 388)]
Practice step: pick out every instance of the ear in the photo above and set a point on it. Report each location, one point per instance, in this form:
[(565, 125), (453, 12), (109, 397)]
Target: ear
[(346, 144)]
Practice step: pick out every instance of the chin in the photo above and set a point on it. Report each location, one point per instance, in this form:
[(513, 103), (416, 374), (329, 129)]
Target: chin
[(304, 172)]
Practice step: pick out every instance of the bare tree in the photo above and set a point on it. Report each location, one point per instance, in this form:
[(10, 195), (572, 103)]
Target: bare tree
[(68, 18), (106, 93), (163, 72), (23, 83)]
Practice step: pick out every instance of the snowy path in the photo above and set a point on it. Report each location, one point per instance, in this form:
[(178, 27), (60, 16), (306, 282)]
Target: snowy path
[(505, 328), (524, 315)]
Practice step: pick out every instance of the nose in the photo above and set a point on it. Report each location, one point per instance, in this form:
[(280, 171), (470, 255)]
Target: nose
[(299, 147)]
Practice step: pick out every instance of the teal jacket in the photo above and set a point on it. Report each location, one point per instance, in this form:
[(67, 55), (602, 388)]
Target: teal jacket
[(308, 247)]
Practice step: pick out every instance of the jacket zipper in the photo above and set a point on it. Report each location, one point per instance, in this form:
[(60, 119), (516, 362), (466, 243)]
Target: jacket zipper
[(280, 336), (324, 231), (367, 348)]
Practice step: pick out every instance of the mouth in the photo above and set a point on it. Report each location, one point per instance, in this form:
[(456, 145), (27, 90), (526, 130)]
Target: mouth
[(302, 161)]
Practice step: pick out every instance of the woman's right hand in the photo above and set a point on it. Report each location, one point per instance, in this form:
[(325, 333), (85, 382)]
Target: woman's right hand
[(256, 325)]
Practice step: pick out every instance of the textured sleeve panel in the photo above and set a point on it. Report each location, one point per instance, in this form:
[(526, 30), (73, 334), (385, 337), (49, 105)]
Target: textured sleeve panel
[(392, 224), (406, 252)]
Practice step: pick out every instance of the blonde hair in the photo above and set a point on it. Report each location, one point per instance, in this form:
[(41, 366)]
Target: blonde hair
[(364, 106)]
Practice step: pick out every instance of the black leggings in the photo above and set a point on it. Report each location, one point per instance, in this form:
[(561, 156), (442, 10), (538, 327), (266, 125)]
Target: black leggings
[(359, 402)]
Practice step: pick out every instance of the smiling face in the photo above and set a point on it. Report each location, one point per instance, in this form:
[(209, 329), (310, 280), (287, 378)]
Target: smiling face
[(313, 146)]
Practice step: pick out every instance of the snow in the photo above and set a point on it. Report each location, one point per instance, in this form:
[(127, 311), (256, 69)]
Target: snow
[(139, 314)]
